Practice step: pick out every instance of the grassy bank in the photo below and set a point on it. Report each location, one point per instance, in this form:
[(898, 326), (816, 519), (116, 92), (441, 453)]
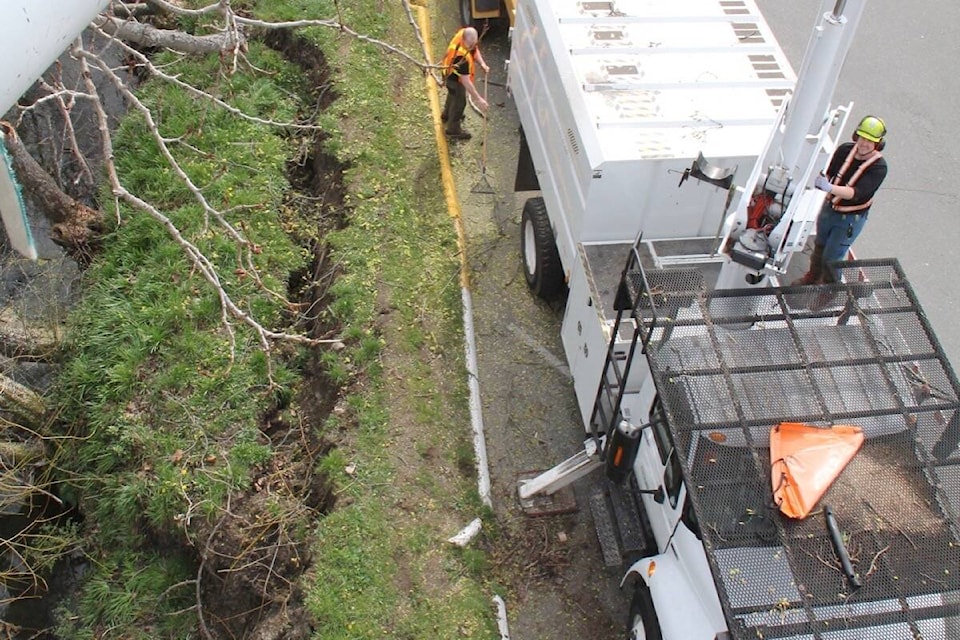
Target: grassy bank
[(214, 499)]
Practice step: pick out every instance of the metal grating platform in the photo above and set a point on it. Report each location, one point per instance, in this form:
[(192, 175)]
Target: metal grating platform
[(729, 365)]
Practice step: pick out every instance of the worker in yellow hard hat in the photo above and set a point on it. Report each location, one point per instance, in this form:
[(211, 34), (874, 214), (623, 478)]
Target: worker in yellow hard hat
[(853, 176)]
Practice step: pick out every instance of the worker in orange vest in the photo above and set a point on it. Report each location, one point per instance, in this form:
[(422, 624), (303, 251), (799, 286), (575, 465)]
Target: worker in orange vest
[(853, 176), (458, 74)]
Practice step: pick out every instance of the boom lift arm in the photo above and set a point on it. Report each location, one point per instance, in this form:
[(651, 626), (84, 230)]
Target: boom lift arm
[(778, 206)]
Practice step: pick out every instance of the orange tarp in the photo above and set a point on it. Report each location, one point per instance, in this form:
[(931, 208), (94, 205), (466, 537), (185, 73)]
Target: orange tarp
[(805, 460)]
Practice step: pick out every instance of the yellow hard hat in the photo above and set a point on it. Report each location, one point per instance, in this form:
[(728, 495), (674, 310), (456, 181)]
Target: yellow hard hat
[(872, 128)]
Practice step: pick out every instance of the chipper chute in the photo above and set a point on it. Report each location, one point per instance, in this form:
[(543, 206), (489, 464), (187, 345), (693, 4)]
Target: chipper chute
[(805, 460)]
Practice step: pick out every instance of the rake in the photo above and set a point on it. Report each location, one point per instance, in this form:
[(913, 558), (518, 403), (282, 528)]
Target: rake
[(483, 184)]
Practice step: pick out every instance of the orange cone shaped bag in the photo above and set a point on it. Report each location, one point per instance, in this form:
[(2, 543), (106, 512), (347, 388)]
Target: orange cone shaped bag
[(805, 460)]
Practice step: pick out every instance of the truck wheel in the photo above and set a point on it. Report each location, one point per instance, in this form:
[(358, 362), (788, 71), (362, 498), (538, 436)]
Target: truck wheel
[(538, 248), (643, 623)]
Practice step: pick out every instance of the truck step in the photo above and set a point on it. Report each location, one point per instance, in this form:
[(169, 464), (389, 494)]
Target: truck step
[(628, 520), (606, 529)]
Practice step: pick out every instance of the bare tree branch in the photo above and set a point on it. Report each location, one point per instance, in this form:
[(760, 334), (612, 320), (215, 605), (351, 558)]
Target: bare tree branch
[(339, 26), (131, 9), (189, 88), (58, 93), (431, 69), (146, 35), (196, 257), (168, 7)]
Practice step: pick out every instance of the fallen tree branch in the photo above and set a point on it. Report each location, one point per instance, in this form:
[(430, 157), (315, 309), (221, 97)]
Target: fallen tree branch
[(131, 9), (76, 227), (339, 26), (155, 71), (229, 309), (26, 341), (65, 101), (146, 35), (430, 68), (28, 406), (168, 7)]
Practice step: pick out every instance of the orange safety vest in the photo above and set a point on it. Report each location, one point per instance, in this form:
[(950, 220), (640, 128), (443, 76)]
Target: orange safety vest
[(834, 200), (457, 49)]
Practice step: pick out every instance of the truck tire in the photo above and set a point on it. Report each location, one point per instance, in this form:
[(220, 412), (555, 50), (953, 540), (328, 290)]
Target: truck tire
[(538, 249), (643, 623)]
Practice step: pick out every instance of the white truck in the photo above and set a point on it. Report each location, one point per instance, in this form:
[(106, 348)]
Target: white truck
[(674, 150)]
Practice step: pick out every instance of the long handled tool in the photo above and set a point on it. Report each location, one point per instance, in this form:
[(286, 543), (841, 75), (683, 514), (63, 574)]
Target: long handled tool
[(483, 184)]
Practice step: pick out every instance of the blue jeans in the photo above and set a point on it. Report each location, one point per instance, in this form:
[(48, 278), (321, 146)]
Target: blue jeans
[(835, 233)]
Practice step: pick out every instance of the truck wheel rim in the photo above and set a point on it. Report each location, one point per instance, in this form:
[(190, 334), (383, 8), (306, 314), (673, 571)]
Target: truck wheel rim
[(529, 249)]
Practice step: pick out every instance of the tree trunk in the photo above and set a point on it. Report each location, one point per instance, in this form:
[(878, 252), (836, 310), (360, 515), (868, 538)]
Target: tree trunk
[(26, 405), (76, 227), (24, 341), (146, 35)]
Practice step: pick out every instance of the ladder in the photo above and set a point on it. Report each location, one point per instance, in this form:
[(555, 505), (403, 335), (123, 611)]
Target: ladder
[(634, 298)]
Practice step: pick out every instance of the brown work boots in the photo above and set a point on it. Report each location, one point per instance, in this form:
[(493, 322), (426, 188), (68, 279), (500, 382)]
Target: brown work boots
[(814, 274), (455, 131)]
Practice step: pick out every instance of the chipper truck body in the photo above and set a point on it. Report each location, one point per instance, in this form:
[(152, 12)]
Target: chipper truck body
[(674, 152)]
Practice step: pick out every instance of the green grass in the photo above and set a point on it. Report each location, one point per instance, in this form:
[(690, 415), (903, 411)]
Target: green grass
[(165, 419), (152, 395), (135, 592)]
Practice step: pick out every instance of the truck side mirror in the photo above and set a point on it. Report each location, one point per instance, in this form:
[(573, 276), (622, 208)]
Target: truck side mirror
[(658, 494)]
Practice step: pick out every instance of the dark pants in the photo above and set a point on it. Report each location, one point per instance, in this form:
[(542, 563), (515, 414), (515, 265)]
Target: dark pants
[(455, 105)]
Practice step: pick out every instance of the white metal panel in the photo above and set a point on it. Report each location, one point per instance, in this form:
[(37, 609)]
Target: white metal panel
[(33, 33), (584, 342), (626, 198), (707, 75), (547, 116), (634, 81)]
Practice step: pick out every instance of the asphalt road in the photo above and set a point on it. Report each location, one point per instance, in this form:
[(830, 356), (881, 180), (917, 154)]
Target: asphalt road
[(901, 68)]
